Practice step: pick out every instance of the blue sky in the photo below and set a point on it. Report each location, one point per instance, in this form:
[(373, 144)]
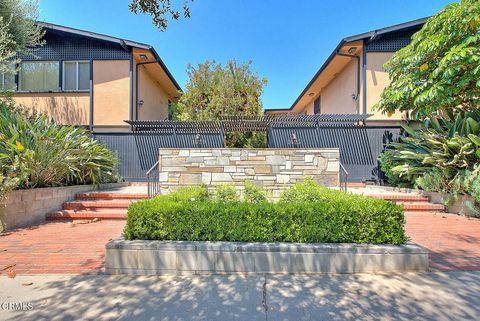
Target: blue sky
[(287, 40)]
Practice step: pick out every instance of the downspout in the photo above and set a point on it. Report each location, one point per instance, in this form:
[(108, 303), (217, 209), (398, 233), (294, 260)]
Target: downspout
[(357, 95), (131, 87), (364, 79), (90, 125), (136, 83)]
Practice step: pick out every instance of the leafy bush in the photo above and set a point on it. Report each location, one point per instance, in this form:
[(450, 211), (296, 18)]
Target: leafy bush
[(388, 160), (35, 152), (253, 193), (226, 193), (307, 191), (312, 214), (441, 156)]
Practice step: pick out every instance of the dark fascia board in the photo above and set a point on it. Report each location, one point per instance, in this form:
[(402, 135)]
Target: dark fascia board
[(275, 109), (362, 36), (121, 42)]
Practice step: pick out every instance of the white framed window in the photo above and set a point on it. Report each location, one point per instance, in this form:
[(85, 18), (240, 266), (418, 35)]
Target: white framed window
[(39, 76), (76, 76)]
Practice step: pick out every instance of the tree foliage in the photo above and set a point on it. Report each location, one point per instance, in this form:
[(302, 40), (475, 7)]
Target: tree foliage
[(440, 68), (18, 31), (214, 90), (160, 11)]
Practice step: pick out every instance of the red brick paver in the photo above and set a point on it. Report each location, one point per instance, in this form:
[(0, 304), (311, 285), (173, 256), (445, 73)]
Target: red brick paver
[(58, 247), (453, 240)]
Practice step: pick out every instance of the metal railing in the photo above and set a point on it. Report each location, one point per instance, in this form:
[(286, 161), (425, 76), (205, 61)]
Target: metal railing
[(153, 179), (343, 178)]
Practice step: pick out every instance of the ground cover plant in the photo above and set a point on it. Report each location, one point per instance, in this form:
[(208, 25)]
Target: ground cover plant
[(305, 213)]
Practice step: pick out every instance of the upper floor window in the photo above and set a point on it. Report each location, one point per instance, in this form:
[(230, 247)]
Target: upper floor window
[(7, 80), (39, 76), (76, 75)]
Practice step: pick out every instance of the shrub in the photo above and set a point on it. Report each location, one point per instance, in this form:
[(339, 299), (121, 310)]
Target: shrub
[(226, 193), (36, 152), (330, 216), (307, 191), (388, 160), (253, 193)]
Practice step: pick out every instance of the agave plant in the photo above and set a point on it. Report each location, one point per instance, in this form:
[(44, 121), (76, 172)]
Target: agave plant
[(449, 142)]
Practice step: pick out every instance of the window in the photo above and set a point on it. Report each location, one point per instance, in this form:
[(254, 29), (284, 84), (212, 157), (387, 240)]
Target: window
[(76, 75), (316, 106), (7, 80), (39, 76)]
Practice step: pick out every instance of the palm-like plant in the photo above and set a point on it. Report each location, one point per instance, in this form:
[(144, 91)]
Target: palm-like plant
[(36, 152), (449, 142)]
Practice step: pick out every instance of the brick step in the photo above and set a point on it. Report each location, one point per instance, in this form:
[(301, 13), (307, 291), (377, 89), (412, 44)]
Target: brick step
[(99, 204), (422, 207), (356, 184), (87, 215), (110, 196), (402, 197)]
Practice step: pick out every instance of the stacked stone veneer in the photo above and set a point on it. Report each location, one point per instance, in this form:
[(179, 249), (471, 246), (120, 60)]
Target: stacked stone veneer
[(272, 169)]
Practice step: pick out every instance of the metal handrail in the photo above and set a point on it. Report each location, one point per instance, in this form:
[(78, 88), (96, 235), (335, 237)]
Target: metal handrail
[(153, 179), (343, 181)]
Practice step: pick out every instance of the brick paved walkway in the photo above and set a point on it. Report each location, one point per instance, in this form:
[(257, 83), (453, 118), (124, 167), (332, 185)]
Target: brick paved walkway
[(60, 247), (453, 240)]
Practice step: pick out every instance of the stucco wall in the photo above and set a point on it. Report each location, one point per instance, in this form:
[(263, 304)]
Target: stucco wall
[(155, 98), (111, 92), (377, 79), (65, 108), (272, 169), (336, 97)]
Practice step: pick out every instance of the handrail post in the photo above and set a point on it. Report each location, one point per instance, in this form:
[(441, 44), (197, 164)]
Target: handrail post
[(153, 180)]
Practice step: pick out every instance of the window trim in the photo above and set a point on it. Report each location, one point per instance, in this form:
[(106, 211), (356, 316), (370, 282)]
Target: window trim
[(77, 63), (19, 83)]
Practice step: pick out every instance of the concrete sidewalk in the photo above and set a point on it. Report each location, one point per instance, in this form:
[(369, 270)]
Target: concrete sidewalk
[(423, 296)]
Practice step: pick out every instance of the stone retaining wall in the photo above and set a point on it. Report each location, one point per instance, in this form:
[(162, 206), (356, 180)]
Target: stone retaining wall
[(172, 257), (272, 169), (28, 207)]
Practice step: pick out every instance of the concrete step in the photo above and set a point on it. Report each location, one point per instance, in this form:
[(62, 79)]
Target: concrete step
[(99, 204), (87, 215), (110, 196)]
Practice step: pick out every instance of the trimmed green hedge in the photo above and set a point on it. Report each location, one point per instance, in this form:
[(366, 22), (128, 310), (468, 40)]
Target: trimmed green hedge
[(306, 213)]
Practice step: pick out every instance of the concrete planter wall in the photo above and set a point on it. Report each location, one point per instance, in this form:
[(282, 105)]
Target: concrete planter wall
[(172, 257), (273, 169), (459, 206), (27, 207)]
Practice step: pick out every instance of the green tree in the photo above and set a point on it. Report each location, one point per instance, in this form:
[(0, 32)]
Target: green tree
[(19, 32), (215, 91), (160, 11), (440, 68)]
